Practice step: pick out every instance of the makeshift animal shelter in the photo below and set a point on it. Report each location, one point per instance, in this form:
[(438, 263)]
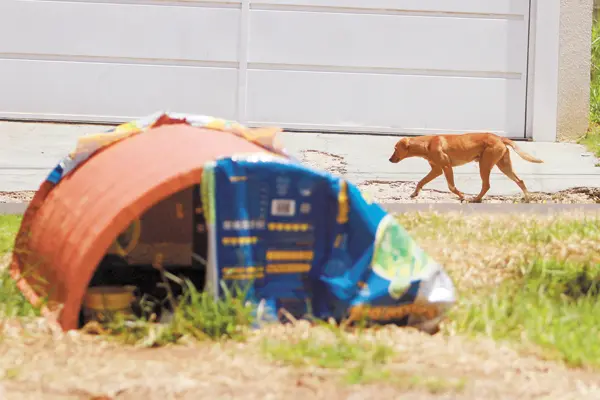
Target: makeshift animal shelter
[(219, 204)]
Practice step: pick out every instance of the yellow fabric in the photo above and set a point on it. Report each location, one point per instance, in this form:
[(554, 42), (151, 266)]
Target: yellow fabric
[(88, 144)]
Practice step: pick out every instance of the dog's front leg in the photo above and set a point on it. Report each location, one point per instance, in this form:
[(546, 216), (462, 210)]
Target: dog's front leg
[(434, 173), (449, 174)]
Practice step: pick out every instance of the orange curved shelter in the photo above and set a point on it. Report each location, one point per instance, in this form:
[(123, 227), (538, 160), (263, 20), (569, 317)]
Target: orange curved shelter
[(68, 227)]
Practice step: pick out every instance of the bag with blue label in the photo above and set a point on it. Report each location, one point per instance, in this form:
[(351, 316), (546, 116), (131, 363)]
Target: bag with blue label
[(308, 242)]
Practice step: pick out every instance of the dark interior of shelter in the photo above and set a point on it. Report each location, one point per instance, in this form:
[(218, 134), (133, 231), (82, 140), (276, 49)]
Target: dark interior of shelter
[(173, 234)]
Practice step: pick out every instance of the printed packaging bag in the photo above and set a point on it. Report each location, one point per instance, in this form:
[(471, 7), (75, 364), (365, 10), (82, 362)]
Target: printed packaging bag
[(308, 242)]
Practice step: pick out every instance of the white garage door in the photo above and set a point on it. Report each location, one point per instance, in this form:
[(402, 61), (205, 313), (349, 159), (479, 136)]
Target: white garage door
[(389, 66)]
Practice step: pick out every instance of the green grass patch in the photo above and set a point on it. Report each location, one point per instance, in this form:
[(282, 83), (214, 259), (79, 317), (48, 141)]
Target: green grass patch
[(340, 353), (550, 272), (12, 302), (12, 373), (405, 381), (9, 227), (592, 139), (432, 384), (499, 231), (362, 360), (553, 306), (595, 74), (197, 315)]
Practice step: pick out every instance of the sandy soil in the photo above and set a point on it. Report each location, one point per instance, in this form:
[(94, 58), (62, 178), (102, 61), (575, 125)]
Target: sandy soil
[(79, 366), (399, 192), (16, 197)]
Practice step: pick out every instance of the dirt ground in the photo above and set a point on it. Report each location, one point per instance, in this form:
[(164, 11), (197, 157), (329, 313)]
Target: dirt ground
[(16, 197), (79, 366), (399, 192)]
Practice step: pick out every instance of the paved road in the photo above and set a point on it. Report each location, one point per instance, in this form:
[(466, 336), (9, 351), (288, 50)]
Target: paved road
[(503, 208)]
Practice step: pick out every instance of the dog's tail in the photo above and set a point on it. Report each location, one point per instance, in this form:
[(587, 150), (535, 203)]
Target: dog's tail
[(521, 153)]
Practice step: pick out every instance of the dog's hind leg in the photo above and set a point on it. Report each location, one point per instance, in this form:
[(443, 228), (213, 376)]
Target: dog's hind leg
[(505, 165), (434, 173), (488, 159)]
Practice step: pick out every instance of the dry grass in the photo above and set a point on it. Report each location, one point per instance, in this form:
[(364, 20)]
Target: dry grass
[(480, 251), (498, 342), (530, 280), (415, 364)]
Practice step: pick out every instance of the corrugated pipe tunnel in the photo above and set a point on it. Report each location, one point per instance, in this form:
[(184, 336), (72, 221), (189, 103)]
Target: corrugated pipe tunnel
[(68, 228)]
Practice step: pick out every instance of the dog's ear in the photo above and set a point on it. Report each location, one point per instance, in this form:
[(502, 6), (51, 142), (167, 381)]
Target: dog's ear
[(398, 143), (402, 143)]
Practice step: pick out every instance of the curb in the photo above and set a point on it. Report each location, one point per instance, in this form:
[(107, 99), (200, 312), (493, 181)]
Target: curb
[(13, 208), (502, 208), (499, 208)]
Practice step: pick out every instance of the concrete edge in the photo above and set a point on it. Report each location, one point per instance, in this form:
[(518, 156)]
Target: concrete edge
[(500, 208), (13, 208)]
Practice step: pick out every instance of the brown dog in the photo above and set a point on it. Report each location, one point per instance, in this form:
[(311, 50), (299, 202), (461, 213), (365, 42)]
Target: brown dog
[(446, 151)]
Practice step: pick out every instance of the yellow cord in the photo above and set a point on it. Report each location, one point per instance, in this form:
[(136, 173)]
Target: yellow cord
[(136, 225)]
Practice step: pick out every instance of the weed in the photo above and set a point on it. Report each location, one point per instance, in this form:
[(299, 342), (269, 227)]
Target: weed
[(202, 316), (12, 302), (525, 279), (554, 305), (592, 139), (9, 226), (361, 359), (499, 231), (12, 373), (197, 315), (339, 354), (432, 384), (360, 374)]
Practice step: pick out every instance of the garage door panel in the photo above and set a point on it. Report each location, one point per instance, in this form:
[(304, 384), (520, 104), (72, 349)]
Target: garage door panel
[(119, 30), (515, 7), (112, 92), (464, 44), (385, 103), (402, 66)]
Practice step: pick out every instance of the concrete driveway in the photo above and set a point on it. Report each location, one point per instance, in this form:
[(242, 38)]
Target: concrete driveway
[(28, 151), (365, 158)]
